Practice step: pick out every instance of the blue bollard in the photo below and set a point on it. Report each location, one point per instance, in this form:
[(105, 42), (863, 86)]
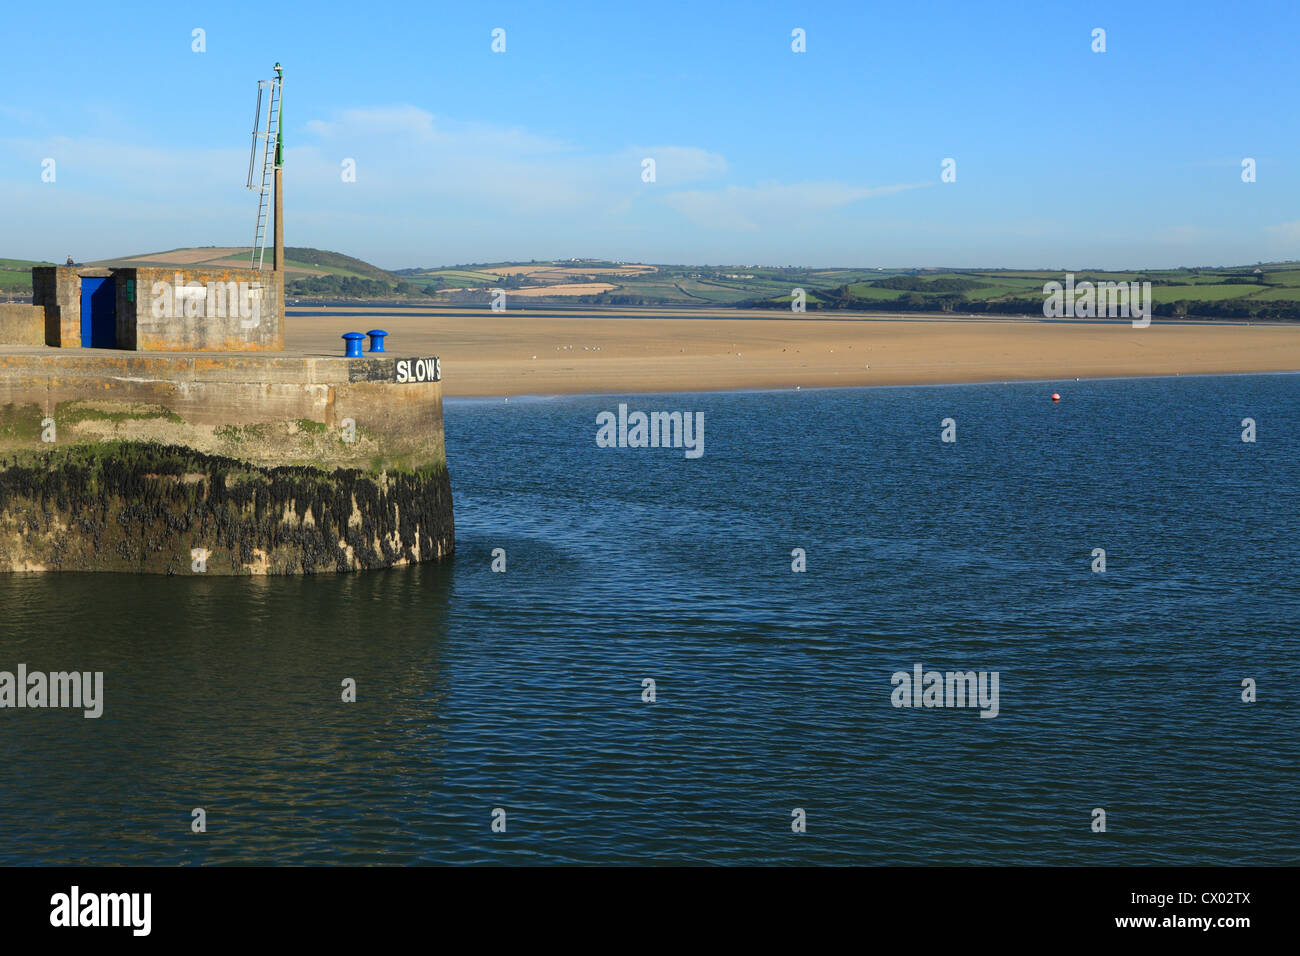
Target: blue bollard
[(376, 340), (353, 344)]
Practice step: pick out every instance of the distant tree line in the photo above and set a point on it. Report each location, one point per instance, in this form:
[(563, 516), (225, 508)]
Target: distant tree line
[(618, 298), (349, 287), (919, 284), (842, 298)]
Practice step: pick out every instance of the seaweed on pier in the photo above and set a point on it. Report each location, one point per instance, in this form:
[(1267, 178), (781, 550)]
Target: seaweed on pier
[(145, 507)]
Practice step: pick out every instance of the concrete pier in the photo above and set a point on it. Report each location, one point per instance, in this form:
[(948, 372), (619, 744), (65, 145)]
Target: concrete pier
[(113, 460)]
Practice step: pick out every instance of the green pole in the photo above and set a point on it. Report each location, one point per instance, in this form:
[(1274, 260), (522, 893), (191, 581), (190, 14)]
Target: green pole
[(277, 261), (279, 126)]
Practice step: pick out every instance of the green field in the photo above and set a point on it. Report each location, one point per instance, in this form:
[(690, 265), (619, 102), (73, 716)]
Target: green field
[(1291, 294), (1267, 292), (456, 276), (16, 275), (1204, 292)]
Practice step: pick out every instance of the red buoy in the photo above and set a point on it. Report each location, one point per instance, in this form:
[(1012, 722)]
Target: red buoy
[(1056, 396)]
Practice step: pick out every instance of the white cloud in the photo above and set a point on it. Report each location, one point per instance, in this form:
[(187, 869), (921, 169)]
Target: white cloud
[(1184, 233), (428, 189), (749, 208), (1290, 231), (401, 128), (406, 154), (676, 165)]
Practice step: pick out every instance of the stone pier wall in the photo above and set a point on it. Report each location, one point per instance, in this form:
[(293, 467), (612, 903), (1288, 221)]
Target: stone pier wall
[(187, 309), (22, 325), (235, 464)]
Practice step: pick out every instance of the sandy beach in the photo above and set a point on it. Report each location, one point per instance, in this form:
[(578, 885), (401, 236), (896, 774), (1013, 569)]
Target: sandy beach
[(560, 351)]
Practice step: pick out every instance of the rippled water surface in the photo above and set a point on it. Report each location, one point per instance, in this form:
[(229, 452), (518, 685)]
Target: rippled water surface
[(522, 690)]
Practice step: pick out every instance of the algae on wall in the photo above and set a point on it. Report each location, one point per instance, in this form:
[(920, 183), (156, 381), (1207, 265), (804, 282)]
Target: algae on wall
[(299, 441), (143, 506)]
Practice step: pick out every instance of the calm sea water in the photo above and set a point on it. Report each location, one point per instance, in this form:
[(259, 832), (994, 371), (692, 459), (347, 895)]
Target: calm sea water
[(523, 690)]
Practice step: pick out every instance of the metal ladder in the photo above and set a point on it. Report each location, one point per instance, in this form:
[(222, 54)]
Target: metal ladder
[(268, 139)]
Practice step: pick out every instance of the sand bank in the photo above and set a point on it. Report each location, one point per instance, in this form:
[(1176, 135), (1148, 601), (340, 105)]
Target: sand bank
[(485, 353)]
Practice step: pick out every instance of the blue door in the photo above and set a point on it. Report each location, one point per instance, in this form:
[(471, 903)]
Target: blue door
[(98, 312)]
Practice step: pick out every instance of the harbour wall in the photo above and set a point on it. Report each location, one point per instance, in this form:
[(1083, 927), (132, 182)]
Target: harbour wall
[(226, 464), (22, 325)]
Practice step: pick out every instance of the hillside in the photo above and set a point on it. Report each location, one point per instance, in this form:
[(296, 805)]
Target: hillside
[(1267, 291), (600, 282), (308, 272), (299, 262), (16, 276), (315, 273), (1264, 292)]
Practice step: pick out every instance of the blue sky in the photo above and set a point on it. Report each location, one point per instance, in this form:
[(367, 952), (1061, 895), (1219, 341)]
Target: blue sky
[(1065, 158)]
